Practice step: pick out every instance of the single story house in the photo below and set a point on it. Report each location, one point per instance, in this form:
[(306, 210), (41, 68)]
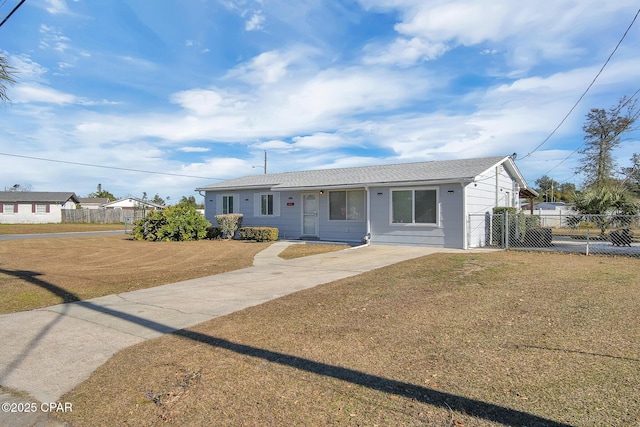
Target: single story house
[(93, 202), (424, 203), (33, 207), (132, 203)]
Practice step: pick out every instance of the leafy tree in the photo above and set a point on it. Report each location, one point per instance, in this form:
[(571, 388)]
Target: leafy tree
[(610, 205), (175, 223), (190, 201), (158, 200), (603, 133), (546, 187), (102, 194), (6, 78), (632, 175)]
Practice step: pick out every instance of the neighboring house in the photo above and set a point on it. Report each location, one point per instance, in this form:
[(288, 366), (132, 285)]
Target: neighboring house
[(33, 207), (424, 203), (554, 214), (93, 202), (132, 203)]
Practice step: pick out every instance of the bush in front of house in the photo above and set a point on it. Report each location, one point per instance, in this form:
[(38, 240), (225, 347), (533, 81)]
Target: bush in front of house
[(229, 224), (259, 234), (214, 233), (175, 223)]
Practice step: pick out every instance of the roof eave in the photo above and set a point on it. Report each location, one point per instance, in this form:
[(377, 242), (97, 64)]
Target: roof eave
[(413, 183)]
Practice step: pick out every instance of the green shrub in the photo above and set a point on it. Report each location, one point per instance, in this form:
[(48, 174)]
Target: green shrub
[(214, 233), (503, 209), (229, 224), (259, 234), (175, 223)]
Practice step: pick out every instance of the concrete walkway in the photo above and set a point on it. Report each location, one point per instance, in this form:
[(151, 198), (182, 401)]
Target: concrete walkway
[(49, 351)]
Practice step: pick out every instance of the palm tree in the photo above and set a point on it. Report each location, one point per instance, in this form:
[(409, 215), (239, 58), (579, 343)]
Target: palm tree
[(610, 205), (6, 78)]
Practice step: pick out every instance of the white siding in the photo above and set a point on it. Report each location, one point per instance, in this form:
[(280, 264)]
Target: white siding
[(26, 214)]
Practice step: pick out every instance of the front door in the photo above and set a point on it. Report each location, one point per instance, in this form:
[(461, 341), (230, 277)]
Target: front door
[(310, 214)]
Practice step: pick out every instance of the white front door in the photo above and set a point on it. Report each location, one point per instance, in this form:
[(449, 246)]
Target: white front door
[(310, 214)]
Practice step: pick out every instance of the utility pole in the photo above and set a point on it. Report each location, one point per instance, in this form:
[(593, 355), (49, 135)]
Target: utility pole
[(264, 168)]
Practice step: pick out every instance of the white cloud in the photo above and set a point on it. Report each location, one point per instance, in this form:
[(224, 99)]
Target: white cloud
[(274, 144), (26, 93), (530, 30), (53, 39), (56, 6), (194, 149), (27, 68), (404, 51), (256, 22), (267, 67), (321, 141)]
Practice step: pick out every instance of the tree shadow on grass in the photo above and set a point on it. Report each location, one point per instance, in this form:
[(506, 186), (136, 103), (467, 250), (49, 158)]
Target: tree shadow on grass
[(472, 407), (32, 277)]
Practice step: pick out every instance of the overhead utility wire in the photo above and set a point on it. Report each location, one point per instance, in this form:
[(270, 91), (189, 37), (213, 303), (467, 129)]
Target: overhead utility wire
[(582, 145), (586, 90), (12, 12), (109, 167)]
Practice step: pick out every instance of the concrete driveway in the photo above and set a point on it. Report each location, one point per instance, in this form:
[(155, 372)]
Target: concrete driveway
[(47, 352)]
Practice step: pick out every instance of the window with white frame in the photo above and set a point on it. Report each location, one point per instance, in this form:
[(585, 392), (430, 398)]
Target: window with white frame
[(266, 204), (41, 209), (9, 208), (227, 203), (414, 206), (347, 205)]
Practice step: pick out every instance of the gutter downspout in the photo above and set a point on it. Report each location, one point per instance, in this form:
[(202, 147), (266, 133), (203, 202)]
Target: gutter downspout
[(465, 220), (366, 240)]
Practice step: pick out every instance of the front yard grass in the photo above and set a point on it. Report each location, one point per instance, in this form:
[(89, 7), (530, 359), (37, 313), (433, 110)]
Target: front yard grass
[(57, 228), (502, 338), (41, 272)]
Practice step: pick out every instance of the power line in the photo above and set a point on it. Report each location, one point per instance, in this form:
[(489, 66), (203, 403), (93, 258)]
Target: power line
[(586, 90), (582, 145), (108, 167), (11, 13)]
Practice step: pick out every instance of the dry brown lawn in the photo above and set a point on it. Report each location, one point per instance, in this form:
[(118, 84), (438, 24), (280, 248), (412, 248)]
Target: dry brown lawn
[(56, 228), (42, 272), (297, 251), (503, 338)]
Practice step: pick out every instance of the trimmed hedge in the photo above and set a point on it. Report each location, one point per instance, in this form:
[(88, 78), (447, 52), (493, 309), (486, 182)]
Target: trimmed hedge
[(229, 224), (259, 234)]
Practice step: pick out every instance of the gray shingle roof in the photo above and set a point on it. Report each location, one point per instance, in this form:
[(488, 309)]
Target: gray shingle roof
[(37, 196), (95, 200), (443, 170)]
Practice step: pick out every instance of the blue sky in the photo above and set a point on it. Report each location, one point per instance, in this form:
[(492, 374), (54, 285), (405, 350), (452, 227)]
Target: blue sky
[(197, 90)]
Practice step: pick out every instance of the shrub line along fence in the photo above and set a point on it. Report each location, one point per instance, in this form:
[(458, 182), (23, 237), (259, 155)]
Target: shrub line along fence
[(587, 234)]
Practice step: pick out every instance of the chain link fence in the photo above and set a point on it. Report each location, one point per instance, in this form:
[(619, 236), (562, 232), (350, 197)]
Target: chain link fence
[(586, 234)]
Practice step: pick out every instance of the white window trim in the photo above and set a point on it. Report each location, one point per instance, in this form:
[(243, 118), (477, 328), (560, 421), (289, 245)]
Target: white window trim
[(41, 209), (236, 202), (257, 204), (413, 211), (14, 208)]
